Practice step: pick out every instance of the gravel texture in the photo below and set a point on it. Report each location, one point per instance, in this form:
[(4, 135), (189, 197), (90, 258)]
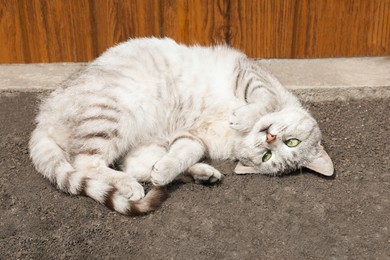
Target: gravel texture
[(299, 216)]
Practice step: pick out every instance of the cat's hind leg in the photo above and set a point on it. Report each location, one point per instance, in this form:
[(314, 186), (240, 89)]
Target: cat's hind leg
[(114, 189), (185, 150), (139, 163), (96, 169), (204, 173)]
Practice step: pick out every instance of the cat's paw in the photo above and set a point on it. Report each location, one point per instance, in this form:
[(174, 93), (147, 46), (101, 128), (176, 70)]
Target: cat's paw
[(204, 173), (162, 172), (129, 188), (242, 119)]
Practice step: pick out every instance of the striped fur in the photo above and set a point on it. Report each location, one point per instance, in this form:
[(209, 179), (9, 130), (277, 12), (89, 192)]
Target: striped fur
[(164, 107)]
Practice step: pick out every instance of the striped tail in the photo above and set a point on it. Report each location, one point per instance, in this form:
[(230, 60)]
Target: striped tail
[(50, 160)]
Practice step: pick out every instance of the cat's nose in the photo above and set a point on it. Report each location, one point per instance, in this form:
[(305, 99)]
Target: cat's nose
[(270, 137)]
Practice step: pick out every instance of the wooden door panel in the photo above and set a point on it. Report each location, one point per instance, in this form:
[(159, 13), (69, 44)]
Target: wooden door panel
[(80, 30)]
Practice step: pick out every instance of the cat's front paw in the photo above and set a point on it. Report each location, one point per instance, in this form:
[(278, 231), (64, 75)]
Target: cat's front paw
[(204, 173), (241, 119), (130, 188), (162, 172)]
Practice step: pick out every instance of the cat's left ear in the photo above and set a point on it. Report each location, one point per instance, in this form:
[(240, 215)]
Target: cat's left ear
[(242, 169), (321, 162)]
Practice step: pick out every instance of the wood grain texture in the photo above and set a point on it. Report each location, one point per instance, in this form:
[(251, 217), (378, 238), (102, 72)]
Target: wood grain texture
[(264, 28), (195, 21), (48, 31), (11, 43), (80, 30), (311, 29), (117, 21)]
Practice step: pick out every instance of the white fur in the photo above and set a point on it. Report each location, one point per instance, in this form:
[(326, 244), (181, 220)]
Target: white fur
[(196, 101)]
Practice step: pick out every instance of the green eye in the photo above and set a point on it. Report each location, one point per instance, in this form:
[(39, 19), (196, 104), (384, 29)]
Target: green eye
[(292, 142), (267, 156)]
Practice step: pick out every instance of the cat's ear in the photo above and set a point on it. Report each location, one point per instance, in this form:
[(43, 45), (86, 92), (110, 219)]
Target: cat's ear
[(242, 169), (321, 163)]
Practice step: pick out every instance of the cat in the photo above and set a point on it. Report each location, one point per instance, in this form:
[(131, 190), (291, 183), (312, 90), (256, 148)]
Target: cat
[(160, 108)]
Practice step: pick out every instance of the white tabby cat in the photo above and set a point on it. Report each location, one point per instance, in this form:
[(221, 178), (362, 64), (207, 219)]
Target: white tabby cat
[(161, 108)]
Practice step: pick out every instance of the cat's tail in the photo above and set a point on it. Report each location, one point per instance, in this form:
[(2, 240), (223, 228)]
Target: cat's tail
[(50, 160)]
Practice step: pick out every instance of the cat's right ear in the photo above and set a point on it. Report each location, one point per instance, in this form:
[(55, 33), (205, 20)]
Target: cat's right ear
[(242, 169)]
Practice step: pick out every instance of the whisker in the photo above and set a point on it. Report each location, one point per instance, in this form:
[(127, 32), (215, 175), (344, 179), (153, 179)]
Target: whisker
[(258, 143), (280, 128)]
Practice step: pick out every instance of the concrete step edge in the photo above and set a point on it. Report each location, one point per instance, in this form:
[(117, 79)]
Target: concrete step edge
[(311, 79)]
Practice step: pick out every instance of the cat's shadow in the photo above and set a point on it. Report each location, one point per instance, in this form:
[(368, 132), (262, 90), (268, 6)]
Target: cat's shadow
[(178, 183), (183, 180), (307, 171)]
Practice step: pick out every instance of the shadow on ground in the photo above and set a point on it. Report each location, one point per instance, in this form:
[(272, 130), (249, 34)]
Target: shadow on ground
[(300, 216)]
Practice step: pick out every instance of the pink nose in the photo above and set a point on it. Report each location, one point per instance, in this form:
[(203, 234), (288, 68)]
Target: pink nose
[(270, 137)]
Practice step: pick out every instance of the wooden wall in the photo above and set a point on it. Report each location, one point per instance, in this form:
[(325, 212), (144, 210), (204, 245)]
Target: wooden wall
[(79, 30)]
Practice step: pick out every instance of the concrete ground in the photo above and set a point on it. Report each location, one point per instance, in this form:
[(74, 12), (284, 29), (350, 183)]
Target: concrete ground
[(299, 216)]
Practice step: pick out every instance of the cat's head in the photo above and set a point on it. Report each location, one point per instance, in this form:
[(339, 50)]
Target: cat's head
[(281, 142)]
